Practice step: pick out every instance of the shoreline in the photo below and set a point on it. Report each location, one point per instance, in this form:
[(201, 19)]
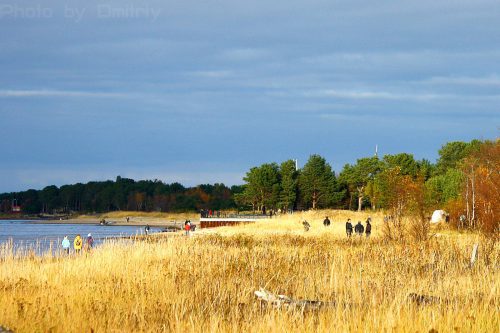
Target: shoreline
[(137, 222)]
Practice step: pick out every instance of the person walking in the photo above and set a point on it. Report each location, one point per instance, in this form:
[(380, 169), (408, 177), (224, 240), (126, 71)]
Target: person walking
[(368, 229), (326, 222), (77, 244), (187, 227), (66, 244), (359, 229), (348, 228), (462, 220), (146, 229), (90, 242), (306, 225)]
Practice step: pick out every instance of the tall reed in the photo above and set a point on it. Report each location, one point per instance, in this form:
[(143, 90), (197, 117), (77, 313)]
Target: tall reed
[(206, 283)]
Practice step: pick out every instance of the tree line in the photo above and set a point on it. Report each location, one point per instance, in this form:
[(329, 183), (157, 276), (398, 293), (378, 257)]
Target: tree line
[(121, 194), (464, 181)]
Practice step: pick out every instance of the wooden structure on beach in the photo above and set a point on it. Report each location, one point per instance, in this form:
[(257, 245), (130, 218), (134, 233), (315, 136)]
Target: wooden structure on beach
[(213, 222)]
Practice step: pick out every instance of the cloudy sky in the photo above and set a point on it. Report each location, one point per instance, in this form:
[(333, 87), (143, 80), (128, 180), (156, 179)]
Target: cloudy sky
[(200, 91)]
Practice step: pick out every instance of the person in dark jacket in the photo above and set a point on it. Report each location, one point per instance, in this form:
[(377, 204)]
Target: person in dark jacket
[(348, 228), (90, 242), (359, 229), (326, 222), (306, 225), (368, 229)]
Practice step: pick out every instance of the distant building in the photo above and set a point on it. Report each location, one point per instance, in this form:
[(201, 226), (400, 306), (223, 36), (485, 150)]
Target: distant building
[(15, 207)]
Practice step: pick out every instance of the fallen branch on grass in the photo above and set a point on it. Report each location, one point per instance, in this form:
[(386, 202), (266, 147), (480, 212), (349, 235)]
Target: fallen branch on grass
[(282, 301), (5, 330), (424, 299)]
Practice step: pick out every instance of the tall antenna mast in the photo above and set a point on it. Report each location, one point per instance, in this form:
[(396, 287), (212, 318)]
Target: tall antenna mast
[(296, 165), (376, 150)]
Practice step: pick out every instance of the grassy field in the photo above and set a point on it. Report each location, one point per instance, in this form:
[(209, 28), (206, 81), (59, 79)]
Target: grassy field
[(206, 283)]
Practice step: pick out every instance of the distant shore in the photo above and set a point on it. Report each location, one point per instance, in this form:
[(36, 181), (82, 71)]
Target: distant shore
[(134, 221), (138, 221), (118, 218)]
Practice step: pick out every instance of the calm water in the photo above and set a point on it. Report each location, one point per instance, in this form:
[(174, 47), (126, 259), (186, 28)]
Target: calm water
[(42, 237)]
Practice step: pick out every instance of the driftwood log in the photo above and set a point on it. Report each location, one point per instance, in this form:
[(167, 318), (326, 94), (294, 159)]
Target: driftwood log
[(425, 299), (5, 330), (285, 302), (473, 256)]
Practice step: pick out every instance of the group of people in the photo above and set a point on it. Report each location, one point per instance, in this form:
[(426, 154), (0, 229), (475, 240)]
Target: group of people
[(207, 213), (359, 229), (78, 244)]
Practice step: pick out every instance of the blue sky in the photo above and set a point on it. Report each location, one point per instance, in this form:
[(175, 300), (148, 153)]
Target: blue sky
[(200, 91)]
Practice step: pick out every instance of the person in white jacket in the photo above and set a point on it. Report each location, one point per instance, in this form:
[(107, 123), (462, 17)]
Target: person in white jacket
[(66, 244)]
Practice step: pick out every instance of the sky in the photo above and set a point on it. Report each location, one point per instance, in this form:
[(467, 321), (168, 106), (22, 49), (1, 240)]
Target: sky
[(201, 91)]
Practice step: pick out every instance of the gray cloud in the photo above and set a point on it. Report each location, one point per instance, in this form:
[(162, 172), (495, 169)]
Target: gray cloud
[(233, 84), (490, 80), (59, 93), (416, 96), (11, 180)]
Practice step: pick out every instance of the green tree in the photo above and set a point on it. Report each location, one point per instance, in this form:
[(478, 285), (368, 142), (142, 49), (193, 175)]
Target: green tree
[(49, 197), (452, 153), (30, 202), (105, 197), (359, 176), (442, 188), (5, 205), (262, 186), (425, 168), (317, 182), (67, 194), (406, 163), (289, 183), (247, 197)]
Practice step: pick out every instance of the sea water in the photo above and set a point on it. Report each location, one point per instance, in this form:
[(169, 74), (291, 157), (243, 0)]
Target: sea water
[(32, 235)]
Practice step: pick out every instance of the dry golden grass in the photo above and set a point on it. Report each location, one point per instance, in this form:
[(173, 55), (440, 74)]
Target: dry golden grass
[(206, 283), (292, 224)]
